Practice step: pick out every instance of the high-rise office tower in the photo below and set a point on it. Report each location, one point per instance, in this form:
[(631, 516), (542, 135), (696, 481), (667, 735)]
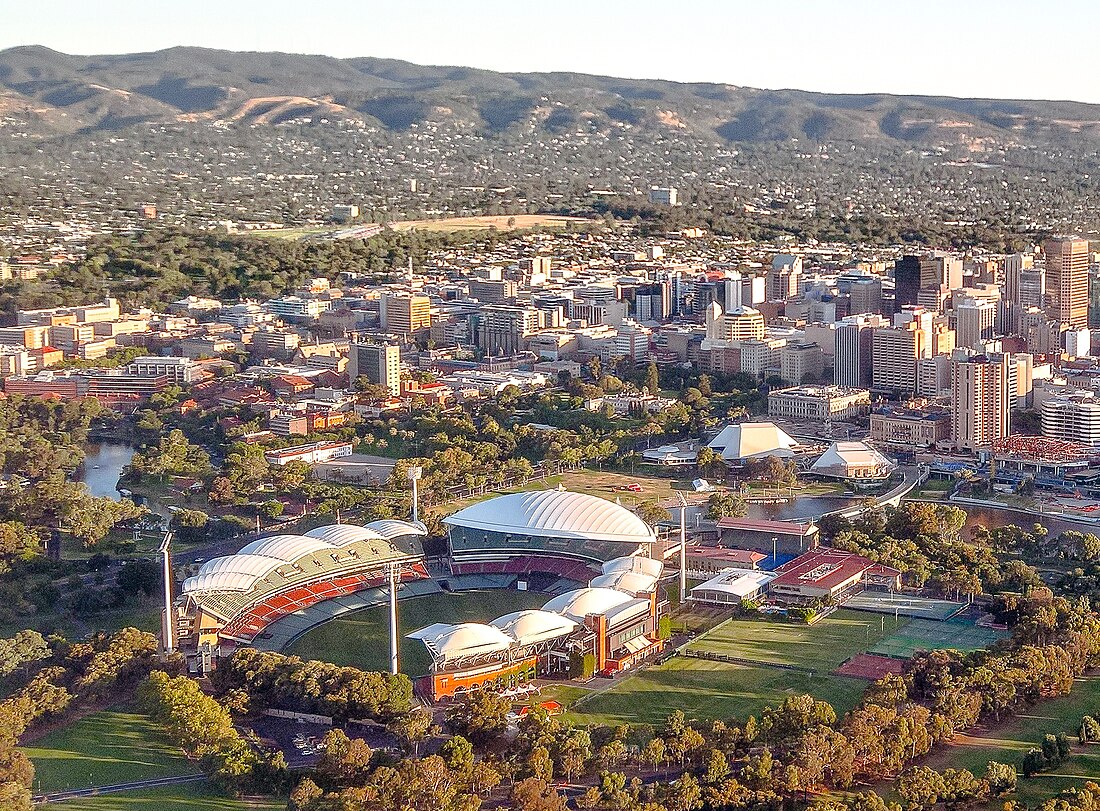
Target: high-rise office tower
[(974, 319), (784, 277), (404, 314), (1067, 280), (939, 269), (1015, 265), (894, 353), (906, 281), (865, 295), (380, 364), (982, 396)]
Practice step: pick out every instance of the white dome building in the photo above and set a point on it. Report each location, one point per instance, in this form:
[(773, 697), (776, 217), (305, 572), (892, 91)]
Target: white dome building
[(554, 530)]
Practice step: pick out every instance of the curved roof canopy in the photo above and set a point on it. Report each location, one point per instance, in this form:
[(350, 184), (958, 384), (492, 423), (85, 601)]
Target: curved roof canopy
[(579, 603), (286, 548), (232, 573), (532, 626), (634, 563), (463, 640), (555, 513), (634, 582), (393, 528), (344, 534)]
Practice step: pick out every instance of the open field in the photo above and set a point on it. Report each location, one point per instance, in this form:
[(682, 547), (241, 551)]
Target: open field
[(190, 797), (822, 646), (708, 690), (1009, 742), (105, 748), (361, 639), (484, 223)]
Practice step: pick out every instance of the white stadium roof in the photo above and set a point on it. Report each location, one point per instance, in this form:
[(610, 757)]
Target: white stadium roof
[(633, 582), (579, 603), (233, 573), (463, 640), (557, 514), (752, 440), (392, 528), (343, 534), (286, 548), (532, 626), (634, 563)]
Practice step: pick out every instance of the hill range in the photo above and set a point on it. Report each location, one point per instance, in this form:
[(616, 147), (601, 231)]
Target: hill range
[(48, 92)]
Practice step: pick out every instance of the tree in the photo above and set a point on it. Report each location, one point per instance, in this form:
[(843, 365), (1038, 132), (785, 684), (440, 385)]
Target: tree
[(534, 794), (652, 381), (651, 512), (725, 504), (20, 650), (1001, 778), (481, 716), (345, 761), (413, 727)]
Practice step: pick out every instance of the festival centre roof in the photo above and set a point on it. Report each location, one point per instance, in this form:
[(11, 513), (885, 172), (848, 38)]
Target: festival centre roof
[(752, 440), (555, 514)]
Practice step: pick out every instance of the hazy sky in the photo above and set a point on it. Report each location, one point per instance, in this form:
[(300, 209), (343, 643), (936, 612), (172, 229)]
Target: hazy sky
[(998, 48)]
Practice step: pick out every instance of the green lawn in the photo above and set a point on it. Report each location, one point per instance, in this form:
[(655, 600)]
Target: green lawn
[(361, 639), (708, 690), (1009, 742), (145, 617), (823, 645), (189, 797), (108, 747)]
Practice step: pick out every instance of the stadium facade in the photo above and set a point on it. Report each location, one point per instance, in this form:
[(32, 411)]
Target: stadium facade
[(553, 532), (612, 626), (231, 599)]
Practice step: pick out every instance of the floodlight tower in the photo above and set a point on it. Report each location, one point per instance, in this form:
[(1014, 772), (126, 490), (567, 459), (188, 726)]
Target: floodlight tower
[(414, 476), (166, 563), (683, 546), (392, 571)]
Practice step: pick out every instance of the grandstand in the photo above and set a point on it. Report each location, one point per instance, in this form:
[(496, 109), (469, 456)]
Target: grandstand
[(232, 599), (550, 532), (612, 622)]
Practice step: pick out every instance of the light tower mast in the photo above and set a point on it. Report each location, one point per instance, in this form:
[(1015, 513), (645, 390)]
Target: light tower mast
[(166, 562)]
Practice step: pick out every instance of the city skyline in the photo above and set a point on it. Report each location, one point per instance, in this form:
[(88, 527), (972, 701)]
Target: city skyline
[(851, 47)]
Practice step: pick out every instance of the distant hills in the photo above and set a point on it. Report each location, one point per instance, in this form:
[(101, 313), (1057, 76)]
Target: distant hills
[(51, 92)]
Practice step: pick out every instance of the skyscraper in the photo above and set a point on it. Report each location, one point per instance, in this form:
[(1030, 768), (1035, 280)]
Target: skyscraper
[(379, 364), (906, 281), (1067, 280), (981, 399)]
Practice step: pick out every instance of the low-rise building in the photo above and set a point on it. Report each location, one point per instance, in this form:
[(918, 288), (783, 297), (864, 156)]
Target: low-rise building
[(818, 403), (830, 573), (311, 454), (910, 427)]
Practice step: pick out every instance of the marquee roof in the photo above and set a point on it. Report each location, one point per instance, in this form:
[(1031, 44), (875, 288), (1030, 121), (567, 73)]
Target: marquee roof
[(557, 514)]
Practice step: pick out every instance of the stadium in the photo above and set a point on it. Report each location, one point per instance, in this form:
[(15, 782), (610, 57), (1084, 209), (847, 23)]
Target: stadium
[(588, 556), (231, 600), (553, 533)]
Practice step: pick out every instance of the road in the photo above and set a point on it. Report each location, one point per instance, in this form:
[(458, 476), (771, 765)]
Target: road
[(95, 791)]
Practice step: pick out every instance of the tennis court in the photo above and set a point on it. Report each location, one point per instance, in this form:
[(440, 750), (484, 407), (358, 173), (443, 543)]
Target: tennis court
[(921, 635), (883, 603)]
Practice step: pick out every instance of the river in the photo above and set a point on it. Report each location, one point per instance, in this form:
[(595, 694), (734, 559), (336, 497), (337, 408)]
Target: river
[(104, 462)]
